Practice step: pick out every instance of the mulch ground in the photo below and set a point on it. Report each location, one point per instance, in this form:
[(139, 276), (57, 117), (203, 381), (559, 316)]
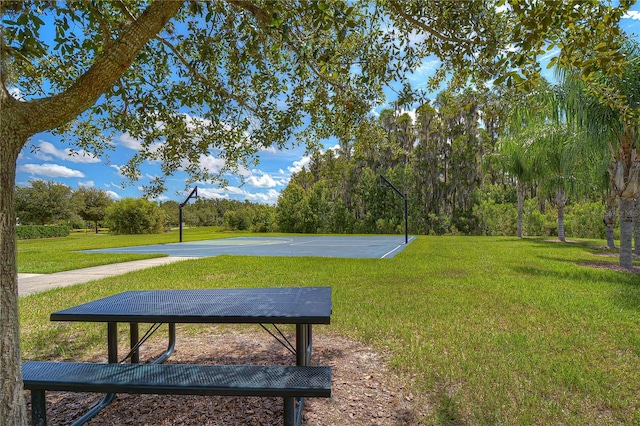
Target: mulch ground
[(364, 390)]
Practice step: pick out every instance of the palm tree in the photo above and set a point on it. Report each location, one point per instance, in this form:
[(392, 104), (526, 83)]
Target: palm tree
[(555, 147), (614, 129), (513, 159), (544, 152)]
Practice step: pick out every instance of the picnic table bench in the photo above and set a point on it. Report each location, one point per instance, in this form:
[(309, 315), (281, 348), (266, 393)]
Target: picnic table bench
[(287, 382), (299, 306)]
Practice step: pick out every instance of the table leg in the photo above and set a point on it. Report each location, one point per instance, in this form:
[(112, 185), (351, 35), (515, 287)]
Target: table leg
[(112, 342), (112, 351), (38, 408), (171, 346), (133, 339), (290, 414), (302, 344), (303, 358), (136, 343)]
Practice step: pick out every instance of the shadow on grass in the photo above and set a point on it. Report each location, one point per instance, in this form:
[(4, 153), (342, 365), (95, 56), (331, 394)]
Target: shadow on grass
[(624, 286), (63, 342), (596, 271)]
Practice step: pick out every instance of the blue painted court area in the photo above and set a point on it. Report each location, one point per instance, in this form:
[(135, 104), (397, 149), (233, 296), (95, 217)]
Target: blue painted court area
[(348, 246)]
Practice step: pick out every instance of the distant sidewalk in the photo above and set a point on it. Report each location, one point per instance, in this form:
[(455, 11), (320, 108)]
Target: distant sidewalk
[(35, 283)]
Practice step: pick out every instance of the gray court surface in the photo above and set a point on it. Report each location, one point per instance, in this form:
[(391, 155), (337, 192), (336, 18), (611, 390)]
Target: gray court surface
[(348, 246)]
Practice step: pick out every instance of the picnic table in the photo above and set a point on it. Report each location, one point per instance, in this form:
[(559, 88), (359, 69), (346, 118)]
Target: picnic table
[(302, 306)]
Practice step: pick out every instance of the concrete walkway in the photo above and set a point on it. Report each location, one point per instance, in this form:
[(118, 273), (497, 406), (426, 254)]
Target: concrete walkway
[(35, 283)]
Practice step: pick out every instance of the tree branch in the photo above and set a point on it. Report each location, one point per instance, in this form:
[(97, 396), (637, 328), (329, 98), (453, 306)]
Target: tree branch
[(203, 79), (265, 18), (106, 34), (260, 14), (49, 113), (418, 24)]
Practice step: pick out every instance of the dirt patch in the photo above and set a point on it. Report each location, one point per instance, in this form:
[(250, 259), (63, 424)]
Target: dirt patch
[(612, 267), (612, 253), (364, 390)]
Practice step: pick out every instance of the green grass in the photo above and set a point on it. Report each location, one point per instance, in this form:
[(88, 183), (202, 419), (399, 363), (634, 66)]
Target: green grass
[(485, 330), (46, 256)]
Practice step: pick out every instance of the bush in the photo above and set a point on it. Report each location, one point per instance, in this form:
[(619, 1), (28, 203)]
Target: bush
[(496, 219), (29, 232), (135, 216), (537, 223), (584, 220)]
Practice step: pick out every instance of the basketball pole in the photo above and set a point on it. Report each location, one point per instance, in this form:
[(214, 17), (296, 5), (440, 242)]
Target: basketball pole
[(406, 208), (193, 194)]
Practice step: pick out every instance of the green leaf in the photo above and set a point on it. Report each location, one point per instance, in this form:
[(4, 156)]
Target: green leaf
[(23, 19)]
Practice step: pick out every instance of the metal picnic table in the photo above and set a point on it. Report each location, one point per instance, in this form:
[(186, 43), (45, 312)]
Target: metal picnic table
[(302, 306)]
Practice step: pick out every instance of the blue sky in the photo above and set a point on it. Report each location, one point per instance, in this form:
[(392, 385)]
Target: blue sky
[(46, 158)]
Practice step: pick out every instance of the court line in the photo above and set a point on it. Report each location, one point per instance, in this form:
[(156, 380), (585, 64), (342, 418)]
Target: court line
[(388, 253)]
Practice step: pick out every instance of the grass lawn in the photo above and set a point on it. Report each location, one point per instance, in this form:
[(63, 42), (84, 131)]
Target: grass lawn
[(45, 256), (486, 330)]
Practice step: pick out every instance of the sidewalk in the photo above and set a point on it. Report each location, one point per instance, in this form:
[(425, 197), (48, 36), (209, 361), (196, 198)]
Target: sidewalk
[(35, 283)]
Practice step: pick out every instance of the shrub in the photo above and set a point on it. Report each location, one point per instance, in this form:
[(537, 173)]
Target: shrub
[(584, 220), (496, 219), (539, 223), (29, 232), (135, 216)]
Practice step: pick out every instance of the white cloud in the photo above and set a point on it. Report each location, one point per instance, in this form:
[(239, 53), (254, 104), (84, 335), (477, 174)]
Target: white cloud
[(298, 165), (212, 193), (87, 184), (551, 54), (118, 169), (15, 93), (47, 151), (632, 14), (195, 122), (269, 197), (51, 170), (271, 149), (211, 163), (114, 195), (264, 181), (128, 141)]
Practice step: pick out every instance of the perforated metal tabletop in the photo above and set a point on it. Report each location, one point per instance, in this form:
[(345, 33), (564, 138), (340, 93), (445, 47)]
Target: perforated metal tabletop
[(290, 305)]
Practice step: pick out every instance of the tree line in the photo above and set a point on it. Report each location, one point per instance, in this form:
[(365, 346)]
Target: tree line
[(52, 203), (465, 168)]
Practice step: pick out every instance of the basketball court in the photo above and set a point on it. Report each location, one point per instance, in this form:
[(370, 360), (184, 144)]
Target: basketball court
[(374, 247)]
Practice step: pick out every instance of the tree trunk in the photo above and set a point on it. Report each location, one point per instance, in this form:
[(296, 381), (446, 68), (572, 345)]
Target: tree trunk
[(609, 219), (97, 227), (625, 175), (626, 230), (520, 195), (12, 406), (636, 227), (609, 234), (561, 202), (20, 120)]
